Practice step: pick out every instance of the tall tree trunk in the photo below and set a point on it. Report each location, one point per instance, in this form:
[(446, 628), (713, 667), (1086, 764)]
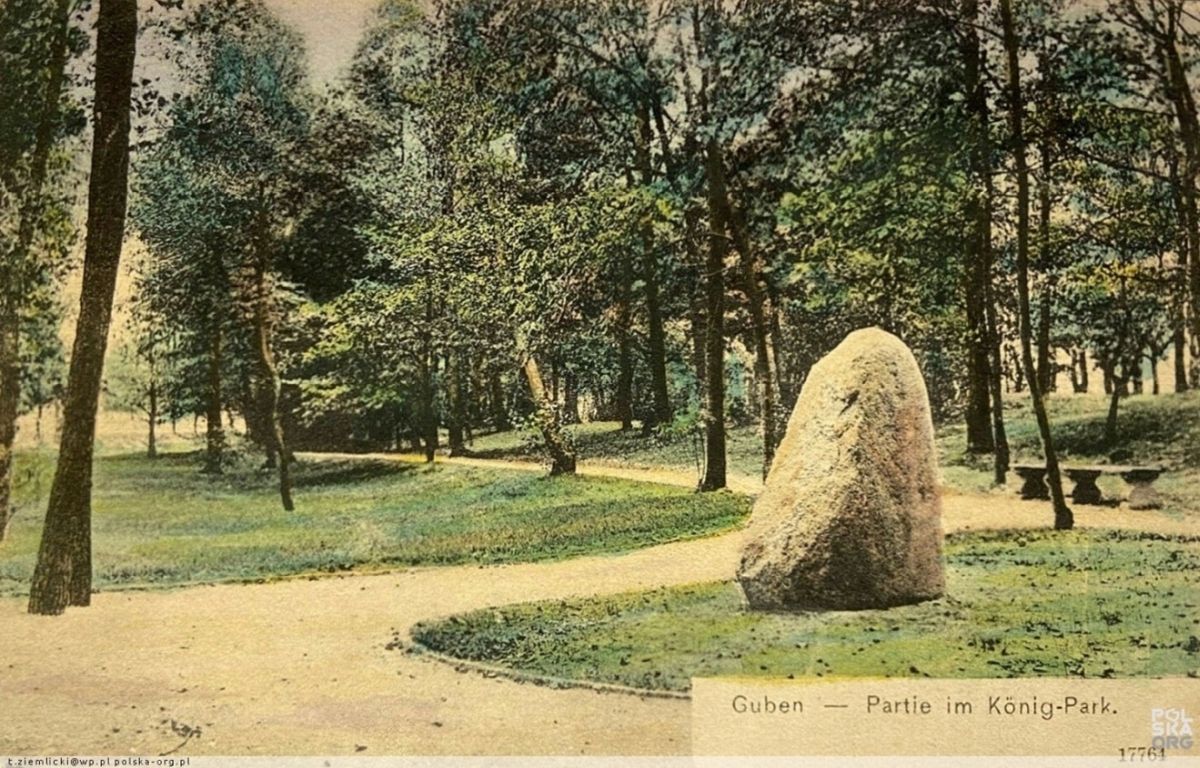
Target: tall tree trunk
[(1110, 423), (152, 421), (1063, 518), (985, 358), (1179, 343), (978, 414), (500, 420), (570, 397), (214, 433), (657, 337), (30, 214), (428, 409), (1182, 248), (760, 311), (1083, 371), (255, 405), (783, 374), (697, 328), (714, 334), (1046, 367), (457, 417), (562, 458), (271, 384), (656, 341), (63, 574), (10, 399), (428, 370), (624, 396), (1179, 92), (1002, 455)]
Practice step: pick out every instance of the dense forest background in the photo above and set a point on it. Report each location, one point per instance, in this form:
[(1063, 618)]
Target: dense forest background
[(658, 213)]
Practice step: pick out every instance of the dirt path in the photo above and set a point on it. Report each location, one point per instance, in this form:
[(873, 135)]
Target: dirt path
[(302, 666)]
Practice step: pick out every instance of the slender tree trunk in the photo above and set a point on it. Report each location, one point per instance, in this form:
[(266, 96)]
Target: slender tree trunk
[(1045, 354), (1110, 424), (30, 214), (1182, 249), (1083, 371), (1063, 518), (152, 421), (980, 437), (657, 337), (624, 399), (271, 385), (456, 422), (63, 574), (500, 419), (429, 415), (570, 397), (714, 335), (1180, 94), (760, 310), (429, 420), (10, 399), (698, 325), (214, 433), (985, 358), (1179, 343), (783, 374), (1154, 373), (562, 458)]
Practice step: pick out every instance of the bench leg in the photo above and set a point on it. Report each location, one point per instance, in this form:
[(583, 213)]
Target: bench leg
[(1086, 491), (1143, 496), (1035, 488)]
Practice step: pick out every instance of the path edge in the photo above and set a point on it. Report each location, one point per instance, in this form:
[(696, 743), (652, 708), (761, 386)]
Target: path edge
[(417, 648)]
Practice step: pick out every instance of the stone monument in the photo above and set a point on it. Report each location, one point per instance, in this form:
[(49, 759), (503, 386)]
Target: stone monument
[(851, 514)]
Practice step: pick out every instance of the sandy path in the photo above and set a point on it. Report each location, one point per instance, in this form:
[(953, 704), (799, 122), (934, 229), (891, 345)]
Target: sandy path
[(301, 666)]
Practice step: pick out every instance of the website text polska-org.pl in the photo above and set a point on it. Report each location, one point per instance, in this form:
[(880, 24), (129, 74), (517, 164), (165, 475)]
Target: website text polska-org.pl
[(96, 762)]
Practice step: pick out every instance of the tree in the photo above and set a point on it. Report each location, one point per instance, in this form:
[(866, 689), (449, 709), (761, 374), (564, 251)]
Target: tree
[(1063, 518), (237, 138), (63, 575), (34, 227)]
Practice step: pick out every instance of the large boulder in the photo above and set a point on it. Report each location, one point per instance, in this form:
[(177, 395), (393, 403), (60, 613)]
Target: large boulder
[(851, 515)]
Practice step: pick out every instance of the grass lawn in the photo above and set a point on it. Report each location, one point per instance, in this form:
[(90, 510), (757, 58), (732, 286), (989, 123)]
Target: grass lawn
[(1162, 429), (163, 523), (1083, 603), (604, 441)]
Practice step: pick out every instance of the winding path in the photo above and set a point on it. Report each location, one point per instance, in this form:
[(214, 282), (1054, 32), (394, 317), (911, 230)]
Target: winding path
[(302, 666)]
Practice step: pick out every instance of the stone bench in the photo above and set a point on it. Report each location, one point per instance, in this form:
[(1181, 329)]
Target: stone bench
[(1142, 496)]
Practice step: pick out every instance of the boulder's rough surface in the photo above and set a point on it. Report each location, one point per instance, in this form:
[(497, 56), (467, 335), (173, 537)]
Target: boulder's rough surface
[(851, 515)]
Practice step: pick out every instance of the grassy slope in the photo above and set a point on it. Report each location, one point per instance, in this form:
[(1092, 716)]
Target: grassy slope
[(1100, 604), (1151, 429), (163, 523)]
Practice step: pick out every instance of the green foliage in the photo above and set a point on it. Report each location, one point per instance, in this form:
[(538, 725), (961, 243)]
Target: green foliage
[(1053, 604), (36, 227)]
